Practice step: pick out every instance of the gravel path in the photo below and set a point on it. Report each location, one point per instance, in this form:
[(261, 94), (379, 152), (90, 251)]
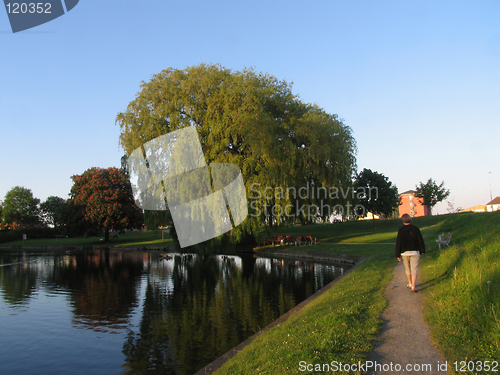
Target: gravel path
[(405, 346)]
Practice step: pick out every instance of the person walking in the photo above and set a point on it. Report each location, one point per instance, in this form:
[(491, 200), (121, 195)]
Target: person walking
[(409, 246)]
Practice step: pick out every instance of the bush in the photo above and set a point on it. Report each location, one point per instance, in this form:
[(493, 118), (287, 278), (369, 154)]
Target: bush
[(31, 233)]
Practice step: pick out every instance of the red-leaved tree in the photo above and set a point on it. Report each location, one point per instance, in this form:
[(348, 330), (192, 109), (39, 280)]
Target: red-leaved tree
[(106, 198)]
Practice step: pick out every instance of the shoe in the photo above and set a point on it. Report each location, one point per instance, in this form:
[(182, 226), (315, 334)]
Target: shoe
[(408, 286), (414, 290)]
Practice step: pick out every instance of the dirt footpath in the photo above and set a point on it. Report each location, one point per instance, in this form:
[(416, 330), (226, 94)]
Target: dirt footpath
[(405, 345)]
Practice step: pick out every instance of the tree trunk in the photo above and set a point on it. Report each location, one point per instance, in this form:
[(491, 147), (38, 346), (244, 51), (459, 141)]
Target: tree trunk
[(106, 234), (269, 213)]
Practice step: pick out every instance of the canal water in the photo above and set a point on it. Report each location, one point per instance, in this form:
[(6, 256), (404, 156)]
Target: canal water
[(125, 312)]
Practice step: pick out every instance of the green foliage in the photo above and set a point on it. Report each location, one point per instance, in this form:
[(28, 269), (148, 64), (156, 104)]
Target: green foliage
[(431, 193), (52, 211), (160, 219), (105, 196), (20, 206), (75, 224), (157, 219), (376, 193), (251, 120)]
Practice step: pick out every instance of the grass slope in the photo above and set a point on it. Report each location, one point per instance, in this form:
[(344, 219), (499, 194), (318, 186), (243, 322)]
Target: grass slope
[(337, 326), (460, 286), (462, 292)]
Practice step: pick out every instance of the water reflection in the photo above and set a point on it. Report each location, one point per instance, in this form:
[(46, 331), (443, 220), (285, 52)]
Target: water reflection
[(168, 314)]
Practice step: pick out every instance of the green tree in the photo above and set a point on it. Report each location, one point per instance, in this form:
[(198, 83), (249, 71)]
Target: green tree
[(74, 222), (106, 198), (251, 120), (431, 193), (157, 219), (52, 211), (376, 193), (21, 207)]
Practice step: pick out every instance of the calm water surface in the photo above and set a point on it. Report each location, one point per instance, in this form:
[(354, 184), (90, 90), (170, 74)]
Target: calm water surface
[(122, 312)]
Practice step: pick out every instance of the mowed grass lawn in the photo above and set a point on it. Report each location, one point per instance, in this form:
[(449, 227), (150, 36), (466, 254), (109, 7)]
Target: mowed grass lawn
[(138, 238)]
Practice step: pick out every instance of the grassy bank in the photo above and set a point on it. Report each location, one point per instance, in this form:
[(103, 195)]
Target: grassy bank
[(462, 291), (337, 326), (341, 324), (460, 288)]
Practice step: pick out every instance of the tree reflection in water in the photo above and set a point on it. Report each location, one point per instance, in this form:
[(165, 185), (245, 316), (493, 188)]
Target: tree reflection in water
[(196, 308), (176, 314)]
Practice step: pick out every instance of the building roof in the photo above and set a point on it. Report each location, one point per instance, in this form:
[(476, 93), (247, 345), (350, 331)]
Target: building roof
[(494, 201), (478, 208), (408, 192)]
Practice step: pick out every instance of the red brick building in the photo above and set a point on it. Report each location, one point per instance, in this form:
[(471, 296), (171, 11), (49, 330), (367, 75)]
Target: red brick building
[(411, 205)]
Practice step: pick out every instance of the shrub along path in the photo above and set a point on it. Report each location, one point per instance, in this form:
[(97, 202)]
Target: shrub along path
[(405, 339)]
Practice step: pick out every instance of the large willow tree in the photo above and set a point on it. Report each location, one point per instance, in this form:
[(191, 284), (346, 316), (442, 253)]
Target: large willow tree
[(254, 121)]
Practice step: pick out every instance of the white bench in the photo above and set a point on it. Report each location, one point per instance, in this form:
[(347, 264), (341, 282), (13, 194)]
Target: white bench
[(444, 240)]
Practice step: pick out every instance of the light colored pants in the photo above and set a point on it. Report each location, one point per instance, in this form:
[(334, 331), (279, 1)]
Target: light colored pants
[(411, 263)]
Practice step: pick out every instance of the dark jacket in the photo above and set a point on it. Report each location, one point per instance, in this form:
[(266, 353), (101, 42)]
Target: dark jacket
[(409, 238)]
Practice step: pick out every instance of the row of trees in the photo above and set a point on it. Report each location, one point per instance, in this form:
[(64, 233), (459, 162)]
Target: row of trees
[(100, 200), (295, 157), (280, 143)]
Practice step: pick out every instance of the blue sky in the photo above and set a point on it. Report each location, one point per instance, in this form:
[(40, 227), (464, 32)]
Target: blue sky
[(418, 82)]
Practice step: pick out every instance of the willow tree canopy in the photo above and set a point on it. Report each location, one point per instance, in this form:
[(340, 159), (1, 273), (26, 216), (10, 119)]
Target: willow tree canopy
[(251, 120)]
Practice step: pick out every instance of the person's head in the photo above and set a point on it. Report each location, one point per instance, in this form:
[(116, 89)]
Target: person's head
[(406, 219)]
